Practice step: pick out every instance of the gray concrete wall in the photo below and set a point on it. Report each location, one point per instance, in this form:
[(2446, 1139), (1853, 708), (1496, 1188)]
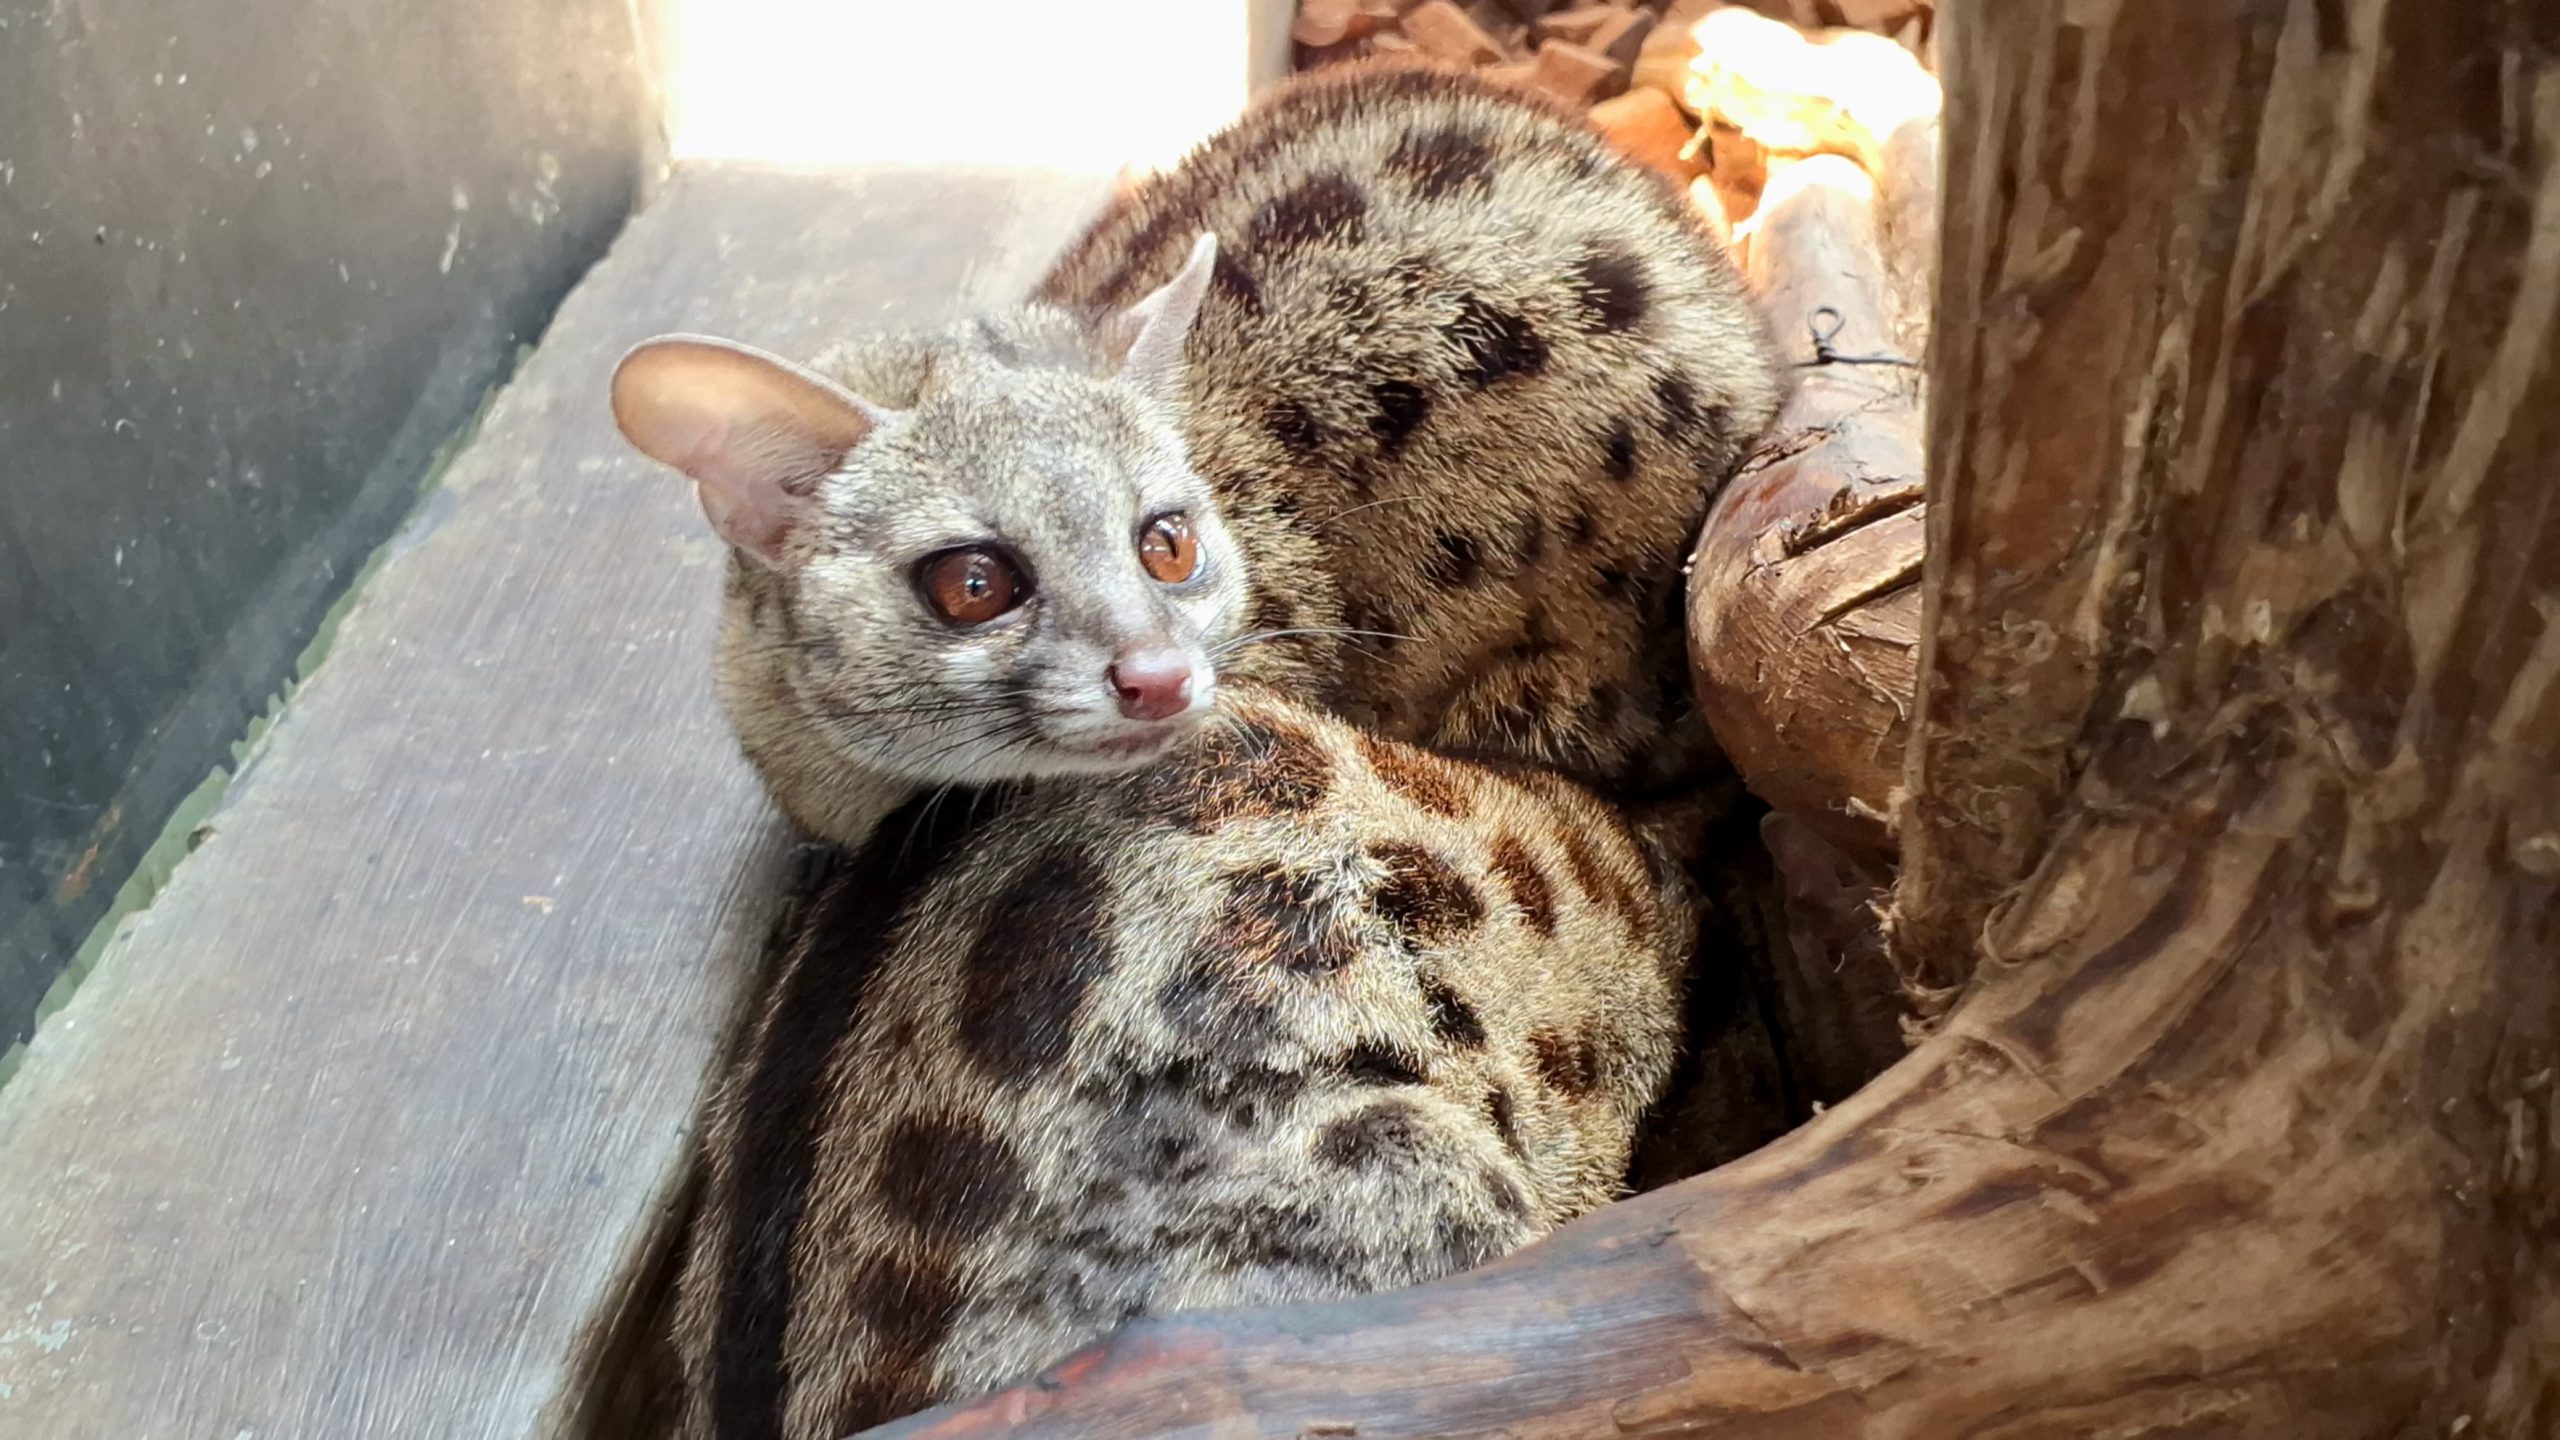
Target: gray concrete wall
[(257, 261)]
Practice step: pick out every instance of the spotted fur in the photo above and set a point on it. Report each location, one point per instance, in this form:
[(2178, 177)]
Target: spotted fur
[(1499, 372), (1461, 384), (1272, 1021)]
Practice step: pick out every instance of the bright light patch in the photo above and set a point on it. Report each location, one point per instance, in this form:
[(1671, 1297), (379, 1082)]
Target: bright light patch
[(1079, 87)]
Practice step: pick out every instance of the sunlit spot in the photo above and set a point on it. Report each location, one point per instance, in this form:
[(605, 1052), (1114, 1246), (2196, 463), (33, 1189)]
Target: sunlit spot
[(1044, 83)]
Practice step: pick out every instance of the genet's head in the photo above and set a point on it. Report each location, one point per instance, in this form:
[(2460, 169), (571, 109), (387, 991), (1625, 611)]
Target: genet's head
[(1016, 574)]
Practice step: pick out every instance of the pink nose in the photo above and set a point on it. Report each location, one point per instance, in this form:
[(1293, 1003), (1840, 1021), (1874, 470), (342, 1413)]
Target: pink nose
[(1153, 683)]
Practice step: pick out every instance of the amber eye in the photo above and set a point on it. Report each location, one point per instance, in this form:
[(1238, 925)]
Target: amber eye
[(971, 587), (1168, 550)]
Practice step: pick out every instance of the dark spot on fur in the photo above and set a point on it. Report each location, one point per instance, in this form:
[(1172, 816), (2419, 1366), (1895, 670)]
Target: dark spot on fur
[(1171, 1157), (1423, 897), (1572, 1066), (1613, 291), (1505, 1193), (1465, 1242), (1504, 1113), (908, 1307), (1452, 1018), (1421, 777), (1679, 400), (1603, 885), (1537, 638), (1146, 253), (1440, 162), (1583, 528), (1617, 584), (1295, 429), (1039, 950), (1389, 1132), (1401, 407), (1240, 771), (1584, 861), (1373, 1062), (1258, 1234), (1518, 870), (1325, 208), (1531, 542), (1495, 344), (1455, 560), (946, 1177), (1275, 916), (1228, 277), (1620, 461), (1208, 1001), (1377, 623)]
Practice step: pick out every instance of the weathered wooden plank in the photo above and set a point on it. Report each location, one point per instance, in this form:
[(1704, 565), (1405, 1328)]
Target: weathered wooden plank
[(362, 1125)]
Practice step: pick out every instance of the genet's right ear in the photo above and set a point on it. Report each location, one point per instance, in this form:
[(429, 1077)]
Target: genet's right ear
[(1151, 334), (754, 431)]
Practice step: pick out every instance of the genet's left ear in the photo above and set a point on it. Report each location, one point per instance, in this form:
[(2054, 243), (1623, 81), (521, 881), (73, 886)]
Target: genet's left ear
[(753, 431), (1152, 332)]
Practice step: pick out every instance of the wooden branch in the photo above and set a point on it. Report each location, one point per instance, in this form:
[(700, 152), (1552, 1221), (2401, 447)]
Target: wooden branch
[(2240, 753), (1804, 601), (1804, 598)]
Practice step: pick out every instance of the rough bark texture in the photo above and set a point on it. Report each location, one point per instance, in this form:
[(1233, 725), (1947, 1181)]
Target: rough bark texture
[(2235, 794)]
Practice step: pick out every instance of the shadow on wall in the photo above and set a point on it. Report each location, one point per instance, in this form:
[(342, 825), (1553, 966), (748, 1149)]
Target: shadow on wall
[(257, 262)]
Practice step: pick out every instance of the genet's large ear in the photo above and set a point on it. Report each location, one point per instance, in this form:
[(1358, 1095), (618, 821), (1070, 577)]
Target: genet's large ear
[(754, 431), (1155, 328)]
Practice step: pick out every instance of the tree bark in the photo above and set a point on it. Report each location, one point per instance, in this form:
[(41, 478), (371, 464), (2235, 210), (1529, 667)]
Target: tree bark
[(2233, 804)]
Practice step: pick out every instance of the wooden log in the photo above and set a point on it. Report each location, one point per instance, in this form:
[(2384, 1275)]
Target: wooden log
[(1804, 600), (2240, 751)]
